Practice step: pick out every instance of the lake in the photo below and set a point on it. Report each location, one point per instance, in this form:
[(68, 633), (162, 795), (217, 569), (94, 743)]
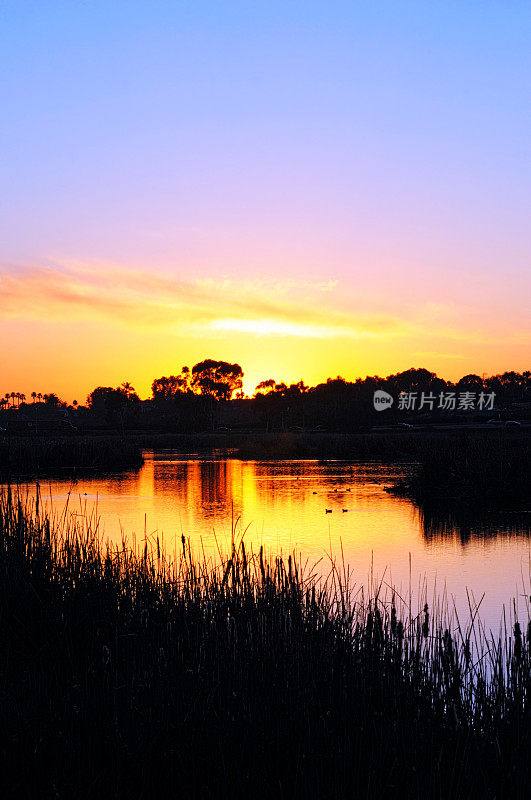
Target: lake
[(316, 509)]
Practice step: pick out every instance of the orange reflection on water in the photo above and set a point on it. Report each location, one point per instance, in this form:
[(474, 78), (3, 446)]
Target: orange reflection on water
[(283, 506)]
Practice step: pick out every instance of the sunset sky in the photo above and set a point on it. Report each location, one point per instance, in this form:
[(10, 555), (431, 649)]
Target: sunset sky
[(306, 188)]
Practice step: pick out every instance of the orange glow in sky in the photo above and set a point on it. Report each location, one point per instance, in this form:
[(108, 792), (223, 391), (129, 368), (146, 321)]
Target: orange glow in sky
[(72, 328), (305, 189)]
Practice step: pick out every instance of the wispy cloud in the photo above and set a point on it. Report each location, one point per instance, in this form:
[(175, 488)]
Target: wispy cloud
[(201, 306), (135, 297)]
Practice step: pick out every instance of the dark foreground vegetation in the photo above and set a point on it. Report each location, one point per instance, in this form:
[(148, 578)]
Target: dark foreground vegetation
[(66, 456), (127, 676)]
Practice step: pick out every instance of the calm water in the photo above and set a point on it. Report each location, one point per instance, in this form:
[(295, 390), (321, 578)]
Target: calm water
[(282, 505)]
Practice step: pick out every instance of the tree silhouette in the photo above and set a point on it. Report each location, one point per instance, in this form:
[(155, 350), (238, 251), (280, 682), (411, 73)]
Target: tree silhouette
[(265, 387), (128, 391), (219, 379), (113, 404), (168, 387), (52, 400), (471, 383)]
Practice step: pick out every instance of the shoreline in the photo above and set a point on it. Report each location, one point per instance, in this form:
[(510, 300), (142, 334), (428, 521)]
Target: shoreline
[(489, 466)]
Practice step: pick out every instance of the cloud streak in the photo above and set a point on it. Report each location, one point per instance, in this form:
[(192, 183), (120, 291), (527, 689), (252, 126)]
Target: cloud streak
[(142, 298), (201, 306)]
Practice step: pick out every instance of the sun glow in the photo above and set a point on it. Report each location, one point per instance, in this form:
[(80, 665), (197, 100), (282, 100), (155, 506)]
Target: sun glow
[(72, 327), (272, 327)]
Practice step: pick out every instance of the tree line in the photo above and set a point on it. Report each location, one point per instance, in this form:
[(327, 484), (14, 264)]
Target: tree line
[(191, 398)]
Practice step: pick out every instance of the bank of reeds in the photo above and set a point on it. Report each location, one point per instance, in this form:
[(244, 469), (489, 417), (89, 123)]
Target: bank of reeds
[(287, 444), (355, 446), (492, 470), (124, 674), (66, 456)]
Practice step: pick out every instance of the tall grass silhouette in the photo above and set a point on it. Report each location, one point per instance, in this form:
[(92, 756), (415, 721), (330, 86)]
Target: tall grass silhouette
[(125, 672), (66, 455)]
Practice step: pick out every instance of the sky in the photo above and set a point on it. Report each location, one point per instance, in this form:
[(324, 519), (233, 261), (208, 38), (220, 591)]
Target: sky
[(309, 189)]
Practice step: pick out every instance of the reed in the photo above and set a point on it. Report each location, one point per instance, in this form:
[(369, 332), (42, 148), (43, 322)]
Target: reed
[(66, 455), (126, 673), (490, 469)]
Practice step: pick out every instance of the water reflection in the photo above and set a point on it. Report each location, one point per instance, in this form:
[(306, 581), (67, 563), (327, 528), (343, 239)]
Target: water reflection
[(283, 506), (439, 521)]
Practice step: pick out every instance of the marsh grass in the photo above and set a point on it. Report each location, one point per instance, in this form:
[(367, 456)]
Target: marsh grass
[(490, 466), (490, 470), (290, 444), (66, 455), (126, 673)]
